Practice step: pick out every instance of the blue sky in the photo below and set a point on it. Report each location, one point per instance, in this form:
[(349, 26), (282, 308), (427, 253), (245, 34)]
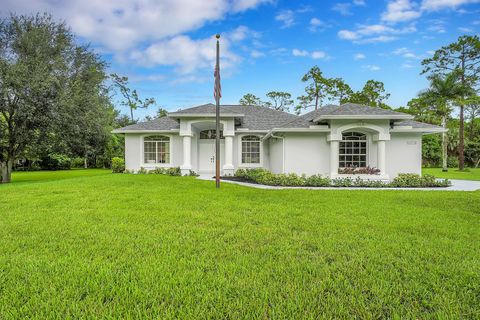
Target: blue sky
[(167, 47)]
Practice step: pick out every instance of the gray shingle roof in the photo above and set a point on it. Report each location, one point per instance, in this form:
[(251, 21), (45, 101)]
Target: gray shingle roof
[(203, 109), (263, 118), (164, 123), (417, 124)]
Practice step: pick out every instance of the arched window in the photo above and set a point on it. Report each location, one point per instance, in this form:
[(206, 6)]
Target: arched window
[(156, 149), (210, 134), (353, 150), (250, 149)]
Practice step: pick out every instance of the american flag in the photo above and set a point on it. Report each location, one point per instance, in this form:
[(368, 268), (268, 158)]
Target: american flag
[(218, 87)]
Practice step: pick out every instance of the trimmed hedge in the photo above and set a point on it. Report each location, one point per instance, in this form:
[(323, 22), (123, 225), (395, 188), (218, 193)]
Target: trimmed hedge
[(172, 171), (403, 180), (118, 165)]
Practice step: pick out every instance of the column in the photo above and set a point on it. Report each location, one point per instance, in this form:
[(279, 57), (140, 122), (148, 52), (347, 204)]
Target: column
[(333, 158), (187, 162), (381, 156), (228, 169)]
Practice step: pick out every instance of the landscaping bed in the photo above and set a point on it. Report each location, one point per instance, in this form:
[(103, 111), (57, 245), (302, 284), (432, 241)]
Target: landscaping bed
[(403, 180)]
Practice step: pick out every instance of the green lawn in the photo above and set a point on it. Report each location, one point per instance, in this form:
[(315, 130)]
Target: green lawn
[(151, 246), (452, 173)]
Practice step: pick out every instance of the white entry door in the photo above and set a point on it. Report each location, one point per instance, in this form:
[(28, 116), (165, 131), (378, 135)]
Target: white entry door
[(206, 155)]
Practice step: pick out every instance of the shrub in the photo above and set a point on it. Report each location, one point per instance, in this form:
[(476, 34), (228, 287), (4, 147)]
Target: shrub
[(54, 161), (78, 162), (118, 165), (318, 181), (409, 180), (240, 173), (175, 171), (192, 173), (159, 170), (342, 182)]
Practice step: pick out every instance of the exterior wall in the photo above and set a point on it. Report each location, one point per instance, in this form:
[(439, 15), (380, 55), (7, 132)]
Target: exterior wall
[(275, 147), (307, 153), (404, 154), (134, 152)]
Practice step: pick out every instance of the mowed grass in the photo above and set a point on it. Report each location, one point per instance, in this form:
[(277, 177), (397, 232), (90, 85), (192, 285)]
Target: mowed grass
[(453, 173), (151, 246)]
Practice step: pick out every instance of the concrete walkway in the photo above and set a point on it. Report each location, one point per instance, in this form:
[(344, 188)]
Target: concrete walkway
[(457, 185)]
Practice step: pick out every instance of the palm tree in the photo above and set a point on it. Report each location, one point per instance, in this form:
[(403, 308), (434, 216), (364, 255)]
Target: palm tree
[(444, 90)]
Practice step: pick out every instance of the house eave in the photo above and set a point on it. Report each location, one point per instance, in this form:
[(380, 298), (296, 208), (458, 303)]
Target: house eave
[(205, 115), (146, 131), (418, 130), (363, 117), (312, 130)]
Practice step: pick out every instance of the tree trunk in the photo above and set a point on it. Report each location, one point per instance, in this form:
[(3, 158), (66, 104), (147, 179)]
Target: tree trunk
[(461, 156), (131, 113), (6, 171), (444, 145)]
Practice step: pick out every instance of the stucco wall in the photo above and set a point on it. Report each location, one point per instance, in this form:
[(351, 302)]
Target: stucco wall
[(403, 154), (134, 152), (307, 153), (275, 148)]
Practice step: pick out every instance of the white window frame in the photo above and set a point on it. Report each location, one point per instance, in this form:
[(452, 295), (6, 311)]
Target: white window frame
[(157, 164), (240, 151), (367, 149)]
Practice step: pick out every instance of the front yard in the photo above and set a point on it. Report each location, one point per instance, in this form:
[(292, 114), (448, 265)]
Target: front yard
[(454, 173), (142, 246)]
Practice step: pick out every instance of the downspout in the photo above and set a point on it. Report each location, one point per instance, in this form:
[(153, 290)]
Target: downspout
[(283, 150)]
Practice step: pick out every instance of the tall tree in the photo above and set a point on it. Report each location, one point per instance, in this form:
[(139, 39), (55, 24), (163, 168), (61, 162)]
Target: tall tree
[(35, 57), (250, 99), (340, 90), (375, 93), (442, 92), (279, 100), (462, 56), (131, 98), (316, 90), (161, 112)]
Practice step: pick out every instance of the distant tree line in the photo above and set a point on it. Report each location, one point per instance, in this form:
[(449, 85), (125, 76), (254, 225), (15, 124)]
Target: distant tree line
[(320, 90)]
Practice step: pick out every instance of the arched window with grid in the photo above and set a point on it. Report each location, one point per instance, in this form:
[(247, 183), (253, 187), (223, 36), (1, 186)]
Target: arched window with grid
[(353, 150)]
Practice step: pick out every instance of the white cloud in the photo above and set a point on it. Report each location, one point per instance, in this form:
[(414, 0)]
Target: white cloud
[(286, 17), (359, 2), (317, 25), (343, 8), (400, 10), (434, 5), (314, 54), (239, 34), (118, 26), (256, 54), (371, 67), (406, 53), (373, 33), (299, 53), (186, 54), (359, 56), (318, 55), (465, 29)]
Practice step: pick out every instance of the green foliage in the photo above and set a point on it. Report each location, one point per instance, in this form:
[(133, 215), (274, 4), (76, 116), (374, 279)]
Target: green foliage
[(78, 162), (118, 165), (279, 100), (415, 180), (262, 176), (467, 174), (54, 161), (172, 171), (130, 97), (250, 99)]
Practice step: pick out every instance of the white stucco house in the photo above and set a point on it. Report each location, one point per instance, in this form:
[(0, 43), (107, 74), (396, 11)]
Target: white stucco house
[(319, 142)]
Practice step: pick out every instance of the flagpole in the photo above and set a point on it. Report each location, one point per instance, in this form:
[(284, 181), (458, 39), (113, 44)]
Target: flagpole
[(217, 117)]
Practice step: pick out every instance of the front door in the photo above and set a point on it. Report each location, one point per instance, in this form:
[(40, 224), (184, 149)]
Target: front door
[(206, 155)]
